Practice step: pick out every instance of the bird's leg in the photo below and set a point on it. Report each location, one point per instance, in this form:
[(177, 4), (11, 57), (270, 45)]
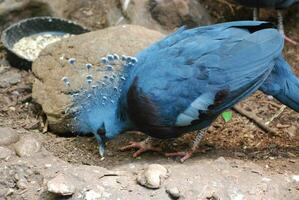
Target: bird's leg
[(281, 28), (188, 154), (280, 22), (143, 146), (256, 13)]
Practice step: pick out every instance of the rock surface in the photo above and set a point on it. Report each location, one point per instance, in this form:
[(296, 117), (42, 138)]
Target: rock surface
[(27, 146), (44, 176), (8, 136), (48, 89), (153, 176)]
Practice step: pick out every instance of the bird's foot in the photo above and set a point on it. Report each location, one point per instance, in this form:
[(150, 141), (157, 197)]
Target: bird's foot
[(185, 154), (142, 147)]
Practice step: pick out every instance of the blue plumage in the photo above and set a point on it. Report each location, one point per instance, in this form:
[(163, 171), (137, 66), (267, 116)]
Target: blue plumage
[(200, 73), (183, 82), (283, 84)]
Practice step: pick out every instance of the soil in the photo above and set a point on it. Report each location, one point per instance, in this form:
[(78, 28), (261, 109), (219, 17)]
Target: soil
[(239, 138)]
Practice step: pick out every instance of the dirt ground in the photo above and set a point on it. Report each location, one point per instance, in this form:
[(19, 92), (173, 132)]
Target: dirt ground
[(238, 139)]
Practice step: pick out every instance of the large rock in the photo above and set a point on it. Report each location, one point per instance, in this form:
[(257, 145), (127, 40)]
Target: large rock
[(162, 15), (175, 13), (52, 65), (93, 14), (165, 15)]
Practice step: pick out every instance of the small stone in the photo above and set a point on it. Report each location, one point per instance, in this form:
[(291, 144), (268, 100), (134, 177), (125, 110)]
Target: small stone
[(22, 183), (153, 176), (61, 185), (10, 77), (9, 192), (3, 191), (92, 195), (5, 153), (174, 192), (27, 146), (222, 163), (295, 178), (8, 136)]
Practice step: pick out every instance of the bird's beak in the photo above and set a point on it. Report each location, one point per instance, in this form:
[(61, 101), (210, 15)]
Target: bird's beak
[(102, 148)]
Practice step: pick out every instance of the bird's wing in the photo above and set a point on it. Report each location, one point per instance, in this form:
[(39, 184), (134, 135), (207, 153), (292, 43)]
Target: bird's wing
[(183, 81)]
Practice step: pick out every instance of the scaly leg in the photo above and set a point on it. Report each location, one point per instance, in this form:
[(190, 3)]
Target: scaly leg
[(143, 146), (281, 28), (188, 154)]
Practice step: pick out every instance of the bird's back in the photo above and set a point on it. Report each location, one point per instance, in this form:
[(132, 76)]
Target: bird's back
[(184, 81)]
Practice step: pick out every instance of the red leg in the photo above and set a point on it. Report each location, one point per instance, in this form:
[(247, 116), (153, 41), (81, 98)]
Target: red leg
[(184, 154), (142, 147), (188, 154), (281, 28), (290, 40)]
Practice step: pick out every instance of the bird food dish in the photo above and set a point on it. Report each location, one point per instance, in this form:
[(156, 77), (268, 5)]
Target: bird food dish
[(25, 39), (30, 47)]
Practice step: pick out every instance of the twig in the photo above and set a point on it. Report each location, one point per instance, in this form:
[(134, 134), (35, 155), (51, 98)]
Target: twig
[(255, 119), (276, 115), (272, 103)]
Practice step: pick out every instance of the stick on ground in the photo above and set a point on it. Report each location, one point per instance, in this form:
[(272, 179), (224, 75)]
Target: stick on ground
[(255, 119)]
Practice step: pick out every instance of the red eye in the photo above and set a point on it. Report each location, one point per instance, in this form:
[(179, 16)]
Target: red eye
[(101, 132)]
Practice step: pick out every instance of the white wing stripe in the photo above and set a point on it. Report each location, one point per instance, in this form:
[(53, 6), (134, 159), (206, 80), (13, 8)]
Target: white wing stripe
[(191, 113), (183, 120)]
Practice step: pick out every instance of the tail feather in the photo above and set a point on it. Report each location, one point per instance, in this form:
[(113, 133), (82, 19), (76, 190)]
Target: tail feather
[(283, 84)]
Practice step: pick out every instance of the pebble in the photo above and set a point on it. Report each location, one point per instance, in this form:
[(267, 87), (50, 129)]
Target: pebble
[(61, 185), (92, 195), (173, 192), (153, 176), (8, 78), (222, 163), (295, 178), (8, 136), (5, 153), (27, 146)]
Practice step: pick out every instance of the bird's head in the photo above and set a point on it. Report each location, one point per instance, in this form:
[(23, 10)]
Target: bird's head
[(95, 106), (97, 113)]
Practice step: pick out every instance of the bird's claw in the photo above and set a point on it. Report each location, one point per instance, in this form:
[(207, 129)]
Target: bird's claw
[(141, 146), (183, 154)]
